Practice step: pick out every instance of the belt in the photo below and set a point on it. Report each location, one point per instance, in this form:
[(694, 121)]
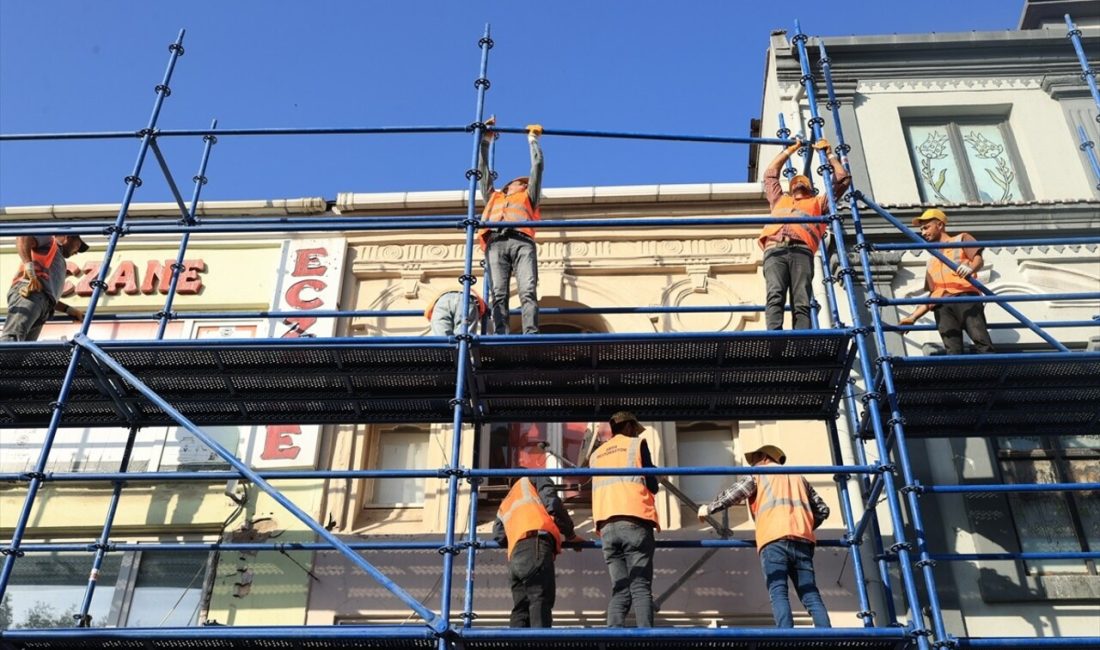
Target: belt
[(537, 533), (508, 233), (785, 242)]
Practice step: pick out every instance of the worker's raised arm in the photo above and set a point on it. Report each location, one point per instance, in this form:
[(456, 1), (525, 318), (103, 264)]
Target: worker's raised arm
[(772, 189), (534, 182), (841, 179), (486, 180)]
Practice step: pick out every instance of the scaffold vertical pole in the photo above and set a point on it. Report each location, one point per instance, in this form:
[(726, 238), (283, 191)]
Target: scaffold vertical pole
[(464, 338), (908, 579), (901, 450), (1088, 75), (843, 149), (133, 181), (200, 181), (102, 545), (1089, 147)]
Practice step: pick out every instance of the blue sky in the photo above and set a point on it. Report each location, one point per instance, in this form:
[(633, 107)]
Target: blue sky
[(662, 67)]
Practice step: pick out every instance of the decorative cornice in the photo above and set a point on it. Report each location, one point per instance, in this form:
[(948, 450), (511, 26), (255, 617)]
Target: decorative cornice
[(942, 85)]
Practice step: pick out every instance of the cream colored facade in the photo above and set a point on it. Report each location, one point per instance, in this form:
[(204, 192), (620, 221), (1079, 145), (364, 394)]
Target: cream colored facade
[(1038, 99)]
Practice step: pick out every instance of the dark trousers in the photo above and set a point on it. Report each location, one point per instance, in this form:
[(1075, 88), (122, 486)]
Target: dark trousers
[(628, 551), (508, 256), (788, 270), (953, 318), (785, 560), (531, 568), (26, 316)]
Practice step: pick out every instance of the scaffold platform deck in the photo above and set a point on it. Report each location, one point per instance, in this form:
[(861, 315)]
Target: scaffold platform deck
[(738, 375), (998, 395), (413, 637)]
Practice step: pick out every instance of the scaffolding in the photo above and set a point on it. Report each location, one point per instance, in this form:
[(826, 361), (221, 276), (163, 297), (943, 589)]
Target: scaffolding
[(779, 375)]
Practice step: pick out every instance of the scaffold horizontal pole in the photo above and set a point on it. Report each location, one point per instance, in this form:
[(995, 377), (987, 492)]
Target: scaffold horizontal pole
[(411, 545), (314, 224), (999, 298), (991, 243), (1046, 324), (1000, 359), (972, 557), (999, 643), (390, 130), (277, 475), (213, 632), (1012, 487), (819, 635)]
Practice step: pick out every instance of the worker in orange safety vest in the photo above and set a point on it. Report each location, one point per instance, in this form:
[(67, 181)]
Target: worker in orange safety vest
[(511, 251), (36, 289), (625, 513), (531, 523), (941, 281), (789, 247), (786, 510)]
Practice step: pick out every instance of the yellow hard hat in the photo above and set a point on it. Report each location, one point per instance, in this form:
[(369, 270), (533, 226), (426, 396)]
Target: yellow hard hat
[(929, 214), (771, 451)]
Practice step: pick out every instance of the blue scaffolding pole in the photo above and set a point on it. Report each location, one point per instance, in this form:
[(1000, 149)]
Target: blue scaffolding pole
[(133, 181), (902, 546)]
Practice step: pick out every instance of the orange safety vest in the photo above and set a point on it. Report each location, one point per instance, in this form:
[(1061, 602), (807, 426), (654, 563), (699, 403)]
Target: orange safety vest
[(781, 508), (621, 495), (809, 234), (522, 512), (481, 306), (42, 263), (944, 280), (508, 207)]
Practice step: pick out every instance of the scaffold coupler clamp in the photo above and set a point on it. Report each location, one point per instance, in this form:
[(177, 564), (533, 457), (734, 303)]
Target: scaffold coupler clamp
[(947, 642), (915, 486)]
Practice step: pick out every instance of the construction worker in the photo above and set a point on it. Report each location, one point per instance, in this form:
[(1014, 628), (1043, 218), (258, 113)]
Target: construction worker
[(789, 248), (941, 281), (444, 313), (36, 289), (512, 251), (786, 510), (625, 513), (531, 523)]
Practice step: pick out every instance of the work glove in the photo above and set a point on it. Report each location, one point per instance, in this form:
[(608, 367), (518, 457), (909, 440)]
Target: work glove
[(823, 145), (34, 285), (797, 144), (489, 133), (964, 270), (704, 512), (533, 133)]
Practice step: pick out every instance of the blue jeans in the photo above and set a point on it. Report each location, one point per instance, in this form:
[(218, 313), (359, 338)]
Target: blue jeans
[(507, 256), (788, 559), (788, 269), (446, 319), (628, 551)]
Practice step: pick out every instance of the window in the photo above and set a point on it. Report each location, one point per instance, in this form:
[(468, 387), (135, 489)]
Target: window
[(1054, 521), (537, 445), (147, 589), (956, 161), (705, 444), (401, 447)]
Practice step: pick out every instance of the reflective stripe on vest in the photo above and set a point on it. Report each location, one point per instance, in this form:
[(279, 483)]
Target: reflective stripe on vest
[(522, 512), (508, 207), (781, 508), (42, 263), (944, 280), (621, 495), (809, 234)]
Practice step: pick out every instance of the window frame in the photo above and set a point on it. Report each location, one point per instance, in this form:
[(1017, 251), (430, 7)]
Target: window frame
[(952, 125), (1058, 455), (374, 457)]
